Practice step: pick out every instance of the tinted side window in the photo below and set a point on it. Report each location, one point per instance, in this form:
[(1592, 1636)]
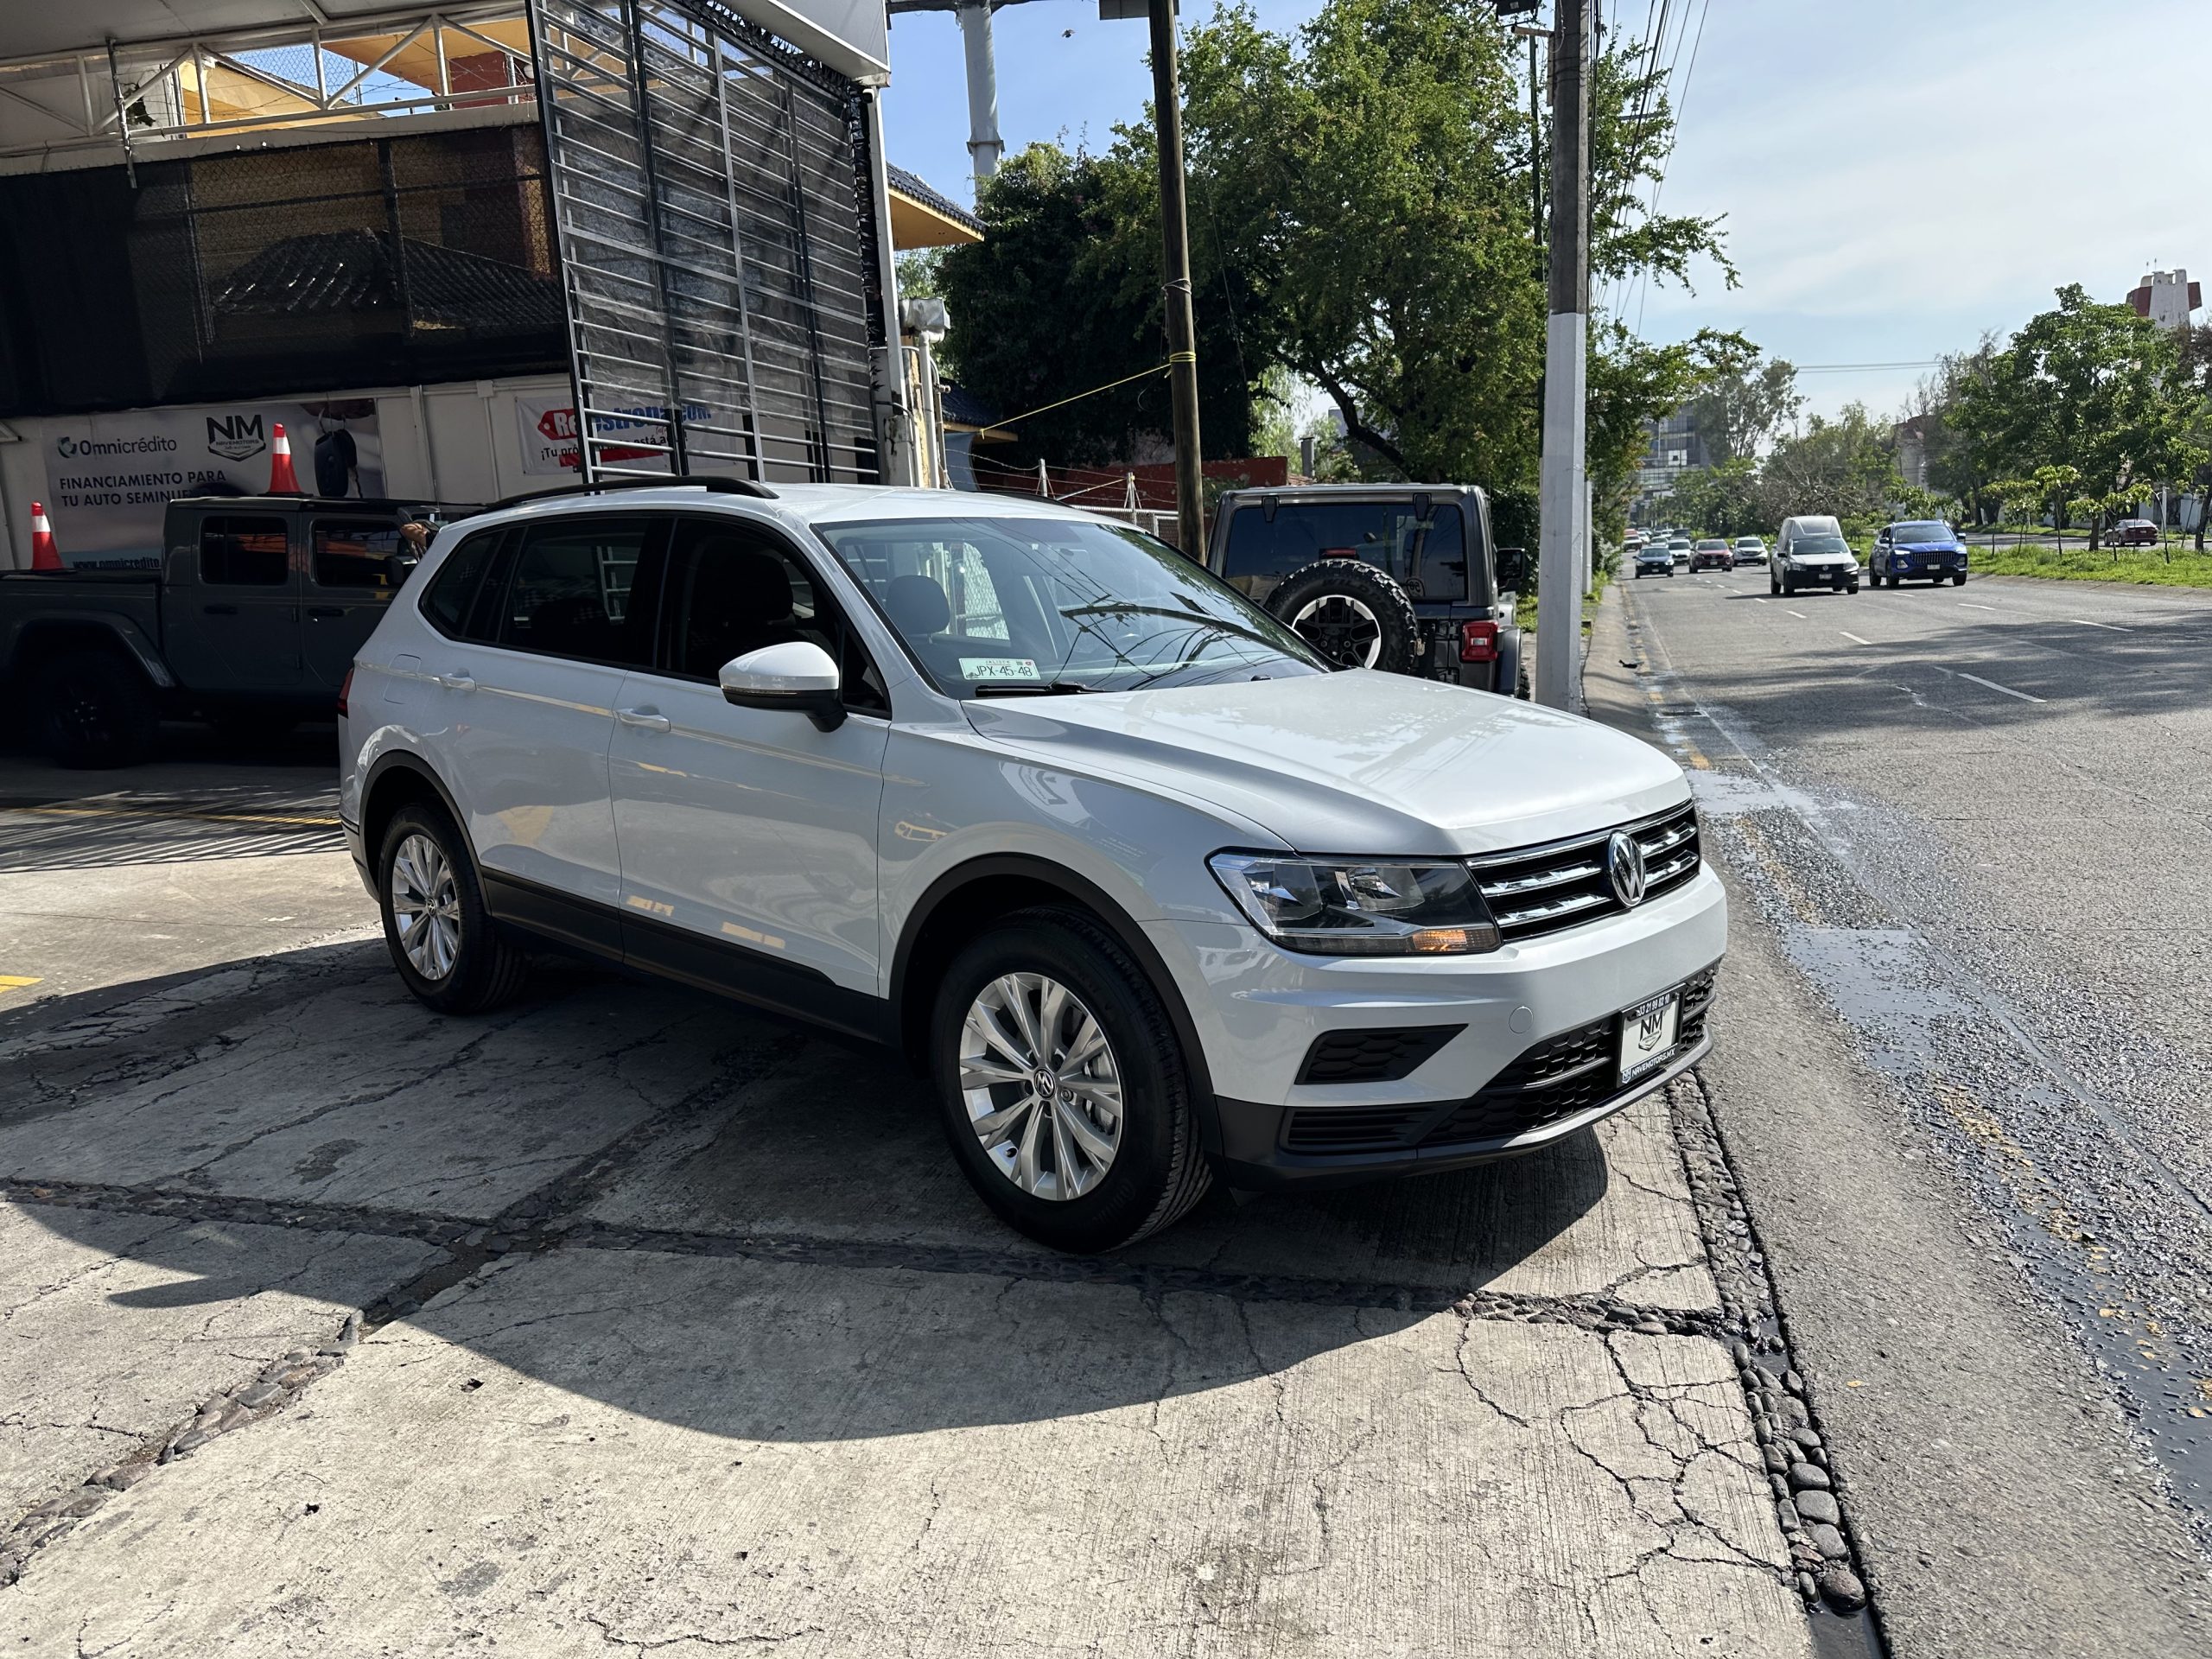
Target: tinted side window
[(448, 602), (733, 591), (571, 591), (350, 552), (241, 551)]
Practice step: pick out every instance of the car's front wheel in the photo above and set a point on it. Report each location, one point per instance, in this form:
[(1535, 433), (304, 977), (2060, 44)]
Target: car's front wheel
[(448, 949), (1063, 1086)]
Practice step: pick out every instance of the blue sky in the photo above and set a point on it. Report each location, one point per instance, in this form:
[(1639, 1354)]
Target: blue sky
[(1897, 176)]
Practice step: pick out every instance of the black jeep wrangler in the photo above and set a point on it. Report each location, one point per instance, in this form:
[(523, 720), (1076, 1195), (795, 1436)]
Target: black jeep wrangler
[(1401, 577)]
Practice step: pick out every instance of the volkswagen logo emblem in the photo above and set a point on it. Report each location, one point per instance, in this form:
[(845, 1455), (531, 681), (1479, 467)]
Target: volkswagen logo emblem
[(1625, 866)]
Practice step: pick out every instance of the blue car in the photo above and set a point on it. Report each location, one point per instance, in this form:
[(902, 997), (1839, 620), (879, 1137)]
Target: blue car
[(1920, 550)]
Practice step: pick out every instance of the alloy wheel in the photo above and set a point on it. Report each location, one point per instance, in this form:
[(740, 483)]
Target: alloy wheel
[(426, 906), (1340, 628), (1040, 1085)]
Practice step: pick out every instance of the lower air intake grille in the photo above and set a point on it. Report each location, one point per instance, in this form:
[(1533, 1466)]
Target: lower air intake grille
[(1384, 1056), (1342, 1129)]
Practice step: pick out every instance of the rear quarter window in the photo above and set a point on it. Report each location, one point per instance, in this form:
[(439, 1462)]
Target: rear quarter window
[(449, 604), (245, 550)]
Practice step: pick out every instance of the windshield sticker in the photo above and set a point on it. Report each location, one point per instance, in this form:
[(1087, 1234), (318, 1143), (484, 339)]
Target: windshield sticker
[(998, 668)]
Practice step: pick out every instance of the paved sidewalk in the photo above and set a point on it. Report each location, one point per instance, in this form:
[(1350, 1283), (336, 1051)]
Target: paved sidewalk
[(683, 1331)]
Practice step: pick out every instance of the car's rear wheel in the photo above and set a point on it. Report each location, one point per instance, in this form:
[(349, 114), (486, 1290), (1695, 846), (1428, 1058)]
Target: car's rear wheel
[(1063, 1086), (451, 954)]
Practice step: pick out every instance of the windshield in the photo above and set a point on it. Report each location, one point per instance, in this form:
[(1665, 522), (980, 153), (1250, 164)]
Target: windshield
[(1806, 545), (1920, 532), (1059, 602), (1713, 547), (1749, 541)]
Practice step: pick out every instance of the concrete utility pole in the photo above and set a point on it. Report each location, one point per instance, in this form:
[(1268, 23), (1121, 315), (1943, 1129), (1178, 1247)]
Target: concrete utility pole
[(984, 147), (1563, 535), (1175, 238)]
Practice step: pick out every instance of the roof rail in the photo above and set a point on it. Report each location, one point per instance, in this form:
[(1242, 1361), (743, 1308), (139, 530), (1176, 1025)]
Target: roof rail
[(713, 483)]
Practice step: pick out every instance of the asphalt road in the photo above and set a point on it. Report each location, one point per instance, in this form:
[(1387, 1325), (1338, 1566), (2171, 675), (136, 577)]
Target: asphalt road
[(1966, 1066)]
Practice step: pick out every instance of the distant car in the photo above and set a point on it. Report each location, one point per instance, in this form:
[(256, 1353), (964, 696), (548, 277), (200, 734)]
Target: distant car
[(1711, 554), (1750, 549), (1919, 549), (1678, 548), (1813, 554), (2134, 533), (1653, 559)]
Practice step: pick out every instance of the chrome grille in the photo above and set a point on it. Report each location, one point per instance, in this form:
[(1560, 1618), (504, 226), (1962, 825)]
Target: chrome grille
[(1537, 890)]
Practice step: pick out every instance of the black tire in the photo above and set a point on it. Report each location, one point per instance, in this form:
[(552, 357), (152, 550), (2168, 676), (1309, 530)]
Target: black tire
[(486, 968), (1157, 1170), (1959, 581), (94, 710), (1790, 586), (1352, 614)]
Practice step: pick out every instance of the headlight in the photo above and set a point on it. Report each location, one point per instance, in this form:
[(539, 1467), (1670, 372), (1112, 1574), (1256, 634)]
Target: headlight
[(1360, 907)]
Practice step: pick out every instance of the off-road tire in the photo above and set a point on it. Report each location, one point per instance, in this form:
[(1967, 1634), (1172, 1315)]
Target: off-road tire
[(489, 967), (94, 710), (1396, 633), (1159, 1169)]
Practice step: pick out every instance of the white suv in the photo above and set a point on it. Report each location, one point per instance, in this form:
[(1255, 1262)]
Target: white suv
[(1151, 894)]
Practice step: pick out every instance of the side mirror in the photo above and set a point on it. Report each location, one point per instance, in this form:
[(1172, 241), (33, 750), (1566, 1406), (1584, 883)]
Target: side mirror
[(396, 566), (1512, 568), (797, 676)]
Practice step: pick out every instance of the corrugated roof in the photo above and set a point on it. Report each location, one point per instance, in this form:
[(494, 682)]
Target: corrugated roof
[(911, 184), (352, 270)]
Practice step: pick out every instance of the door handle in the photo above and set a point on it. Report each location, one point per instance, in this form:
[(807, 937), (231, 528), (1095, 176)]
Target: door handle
[(218, 610), (651, 719), (323, 613), (456, 681)]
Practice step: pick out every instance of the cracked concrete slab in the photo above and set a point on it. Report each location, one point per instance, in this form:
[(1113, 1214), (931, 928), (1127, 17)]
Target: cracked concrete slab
[(840, 1144), (590, 1449), (353, 1094), (112, 1327)]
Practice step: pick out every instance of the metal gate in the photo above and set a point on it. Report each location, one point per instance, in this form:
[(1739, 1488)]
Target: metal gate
[(715, 227)]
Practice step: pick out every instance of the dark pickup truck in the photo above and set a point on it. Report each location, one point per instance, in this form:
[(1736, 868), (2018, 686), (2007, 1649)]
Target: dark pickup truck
[(250, 622), (1399, 577)]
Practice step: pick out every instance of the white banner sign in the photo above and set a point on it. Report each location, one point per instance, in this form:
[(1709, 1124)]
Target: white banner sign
[(109, 478)]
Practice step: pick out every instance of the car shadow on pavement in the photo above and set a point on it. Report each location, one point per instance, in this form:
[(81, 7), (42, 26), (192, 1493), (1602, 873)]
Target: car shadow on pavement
[(668, 1203)]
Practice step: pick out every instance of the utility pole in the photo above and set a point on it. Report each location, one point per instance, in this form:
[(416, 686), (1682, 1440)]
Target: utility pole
[(1175, 239), (1563, 535), (983, 144)]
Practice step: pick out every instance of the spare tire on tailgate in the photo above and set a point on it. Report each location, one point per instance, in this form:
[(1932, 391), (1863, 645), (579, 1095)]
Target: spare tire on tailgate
[(1352, 614)]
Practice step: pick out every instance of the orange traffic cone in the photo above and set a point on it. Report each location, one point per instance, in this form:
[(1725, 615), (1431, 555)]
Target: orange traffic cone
[(281, 480), (44, 555)]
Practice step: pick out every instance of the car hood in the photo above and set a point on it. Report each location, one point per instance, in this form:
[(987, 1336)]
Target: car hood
[(1924, 547), (1355, 762), (1823, 558)]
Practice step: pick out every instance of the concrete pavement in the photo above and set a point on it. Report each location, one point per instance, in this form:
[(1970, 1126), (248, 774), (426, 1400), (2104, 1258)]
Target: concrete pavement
[(683, 1333)]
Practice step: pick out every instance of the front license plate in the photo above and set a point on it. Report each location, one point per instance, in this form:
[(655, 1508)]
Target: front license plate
[(1648, 1035)]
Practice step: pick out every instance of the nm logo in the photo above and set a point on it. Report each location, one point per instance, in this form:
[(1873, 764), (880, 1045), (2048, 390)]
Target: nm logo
[(234, 438)]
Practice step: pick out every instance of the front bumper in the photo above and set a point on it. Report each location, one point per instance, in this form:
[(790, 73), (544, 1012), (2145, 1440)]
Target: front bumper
[(1258, 1013)]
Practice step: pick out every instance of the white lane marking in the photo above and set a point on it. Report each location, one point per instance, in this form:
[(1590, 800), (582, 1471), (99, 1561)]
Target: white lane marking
[(1800, 615), (2109, 628), (1756, 600), (1965, 607), (1994, 686), (1853, 638)]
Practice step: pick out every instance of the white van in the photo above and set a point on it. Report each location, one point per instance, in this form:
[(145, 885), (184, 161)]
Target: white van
[(1811, 552)]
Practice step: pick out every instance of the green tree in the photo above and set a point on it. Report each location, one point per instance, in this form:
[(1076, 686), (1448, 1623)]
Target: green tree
[(1062, 295), (1742, 409), (1722, 501), (1845, 467), (2091, 387), (1371, 181)]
